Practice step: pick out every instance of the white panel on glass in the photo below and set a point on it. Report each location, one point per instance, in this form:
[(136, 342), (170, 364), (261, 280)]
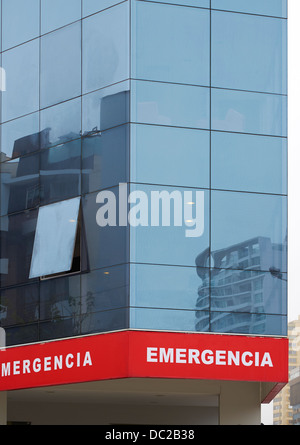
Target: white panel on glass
[(55, 238)]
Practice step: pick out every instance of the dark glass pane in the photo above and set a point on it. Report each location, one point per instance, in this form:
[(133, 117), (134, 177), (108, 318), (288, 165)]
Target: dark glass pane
[(105, 159), (62, 328), (20, 184), (61, 172), (21, 335), (105, 321), (19, 305)]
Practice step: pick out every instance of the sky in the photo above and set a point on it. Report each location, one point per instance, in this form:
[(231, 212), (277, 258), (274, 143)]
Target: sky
[(294, 175)]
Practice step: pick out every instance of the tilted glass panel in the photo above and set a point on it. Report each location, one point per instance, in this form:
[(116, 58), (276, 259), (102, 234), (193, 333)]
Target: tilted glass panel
[(168, 225), (91, 6), (256, 60), (171, 156), (20, 22), (55, 238), (245, 112), (21, 66), (58, 13), (170, 104), (61, 65), (171, 44), (253, 222), (249, 163), (105, 50), (276, 8)]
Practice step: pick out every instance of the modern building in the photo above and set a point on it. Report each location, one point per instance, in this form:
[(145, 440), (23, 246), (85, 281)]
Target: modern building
[(143, 210)]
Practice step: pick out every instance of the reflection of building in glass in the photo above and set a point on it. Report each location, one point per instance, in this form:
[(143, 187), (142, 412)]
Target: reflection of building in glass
[(244, 287)]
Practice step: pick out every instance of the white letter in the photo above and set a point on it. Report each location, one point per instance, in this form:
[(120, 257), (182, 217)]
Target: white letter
[(5, 369), (234, 358), (180, 355), (141, 208), (123, 201), (47, 364), (68, 363), (193, 355), (244, 355), (2, 79), (166, 356), (109, 208), (87, 359), (165, 198), (189, 220), (151, 354), (220, 357), (210, 359), (26, 365), (36, 365), (266, 360), (16, 367), (58, 362)]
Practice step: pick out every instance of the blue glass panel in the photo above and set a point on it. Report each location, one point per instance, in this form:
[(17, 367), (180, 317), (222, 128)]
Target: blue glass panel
[(60, 174), (249, 221), (245, 323), (20, 137), (91, 6), (105, 50), (62, 49), (57, 13), (20, 22), (105, 108), (249, 163), (178, 50), (22, 91), (169, 104), (62, 327), (256, 60), (20, 184), (105, 321), (168, 287), (200, 3), (168, 225), (246, 112), (164, 155), (61, 123), (247, 291), (105, 159), (276, 8), (169, 320), (19, 305)]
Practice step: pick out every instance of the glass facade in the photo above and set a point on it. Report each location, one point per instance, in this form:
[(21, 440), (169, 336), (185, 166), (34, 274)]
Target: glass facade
[(166, 122)]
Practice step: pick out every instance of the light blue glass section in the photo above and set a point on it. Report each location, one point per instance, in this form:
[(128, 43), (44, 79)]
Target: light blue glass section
[(57, 13), (169, 104), (61, 65), (55, 238), (249, 52), (245, 112), (20, 22), (91, 6), (277, 8), (106, 48), (168, 225), (249, 221), (171, 156), (21, 66), (200, 3), (249, 163), (178, 49), (167, 287)]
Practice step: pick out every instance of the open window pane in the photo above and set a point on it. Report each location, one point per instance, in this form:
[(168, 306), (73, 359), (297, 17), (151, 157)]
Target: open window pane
[(55, 238)]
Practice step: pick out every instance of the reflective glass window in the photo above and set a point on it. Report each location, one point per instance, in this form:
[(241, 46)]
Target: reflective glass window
[(55, 238), (20, 137), (105, 159), (19, 305), (169, 320), (249, 163), (66, 327), (200, 3), (248, 290), (61, 65), (246, 323), (60, 298), (61, 123), (112, 320), (106, 245), (57, 13), (105, 108), (21, 335), (178, 50), (105, 289), (164, 155), (246, 112), (168, 225), (60, 172), (20, 184), (20, 22), (276, 8), (17, 238), (168, 287), (170, 104), (91, 6), (22, 90), (106, 48), (257, 223), (256, 60)]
